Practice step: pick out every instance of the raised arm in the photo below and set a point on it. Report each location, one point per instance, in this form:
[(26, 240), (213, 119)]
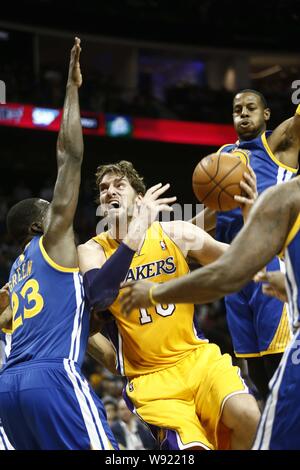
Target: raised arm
[(284, 141), (59, 237), (260, 240)]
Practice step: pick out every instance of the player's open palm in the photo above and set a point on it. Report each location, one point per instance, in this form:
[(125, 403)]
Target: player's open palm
[(148, 208), (75, 76), (248, 185)]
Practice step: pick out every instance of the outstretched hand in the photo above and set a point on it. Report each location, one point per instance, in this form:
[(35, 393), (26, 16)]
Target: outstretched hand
[(248, 185), (135, 295), (75, 77), (145, 213)]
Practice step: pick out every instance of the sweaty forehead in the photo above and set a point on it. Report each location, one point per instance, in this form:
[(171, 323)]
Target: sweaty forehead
[(246, 98), (112, 177)]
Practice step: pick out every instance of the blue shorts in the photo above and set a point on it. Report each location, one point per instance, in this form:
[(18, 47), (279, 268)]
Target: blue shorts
[(258, 324), (279, 427), (50, 406)]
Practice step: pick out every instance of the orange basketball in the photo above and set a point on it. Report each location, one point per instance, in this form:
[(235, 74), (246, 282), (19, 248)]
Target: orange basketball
[(216, 180)]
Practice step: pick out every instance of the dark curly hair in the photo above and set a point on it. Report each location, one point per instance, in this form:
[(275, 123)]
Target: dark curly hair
[(122, 168)]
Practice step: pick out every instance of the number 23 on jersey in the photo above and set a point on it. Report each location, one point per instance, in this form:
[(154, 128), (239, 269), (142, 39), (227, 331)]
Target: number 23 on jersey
[(33, 303)]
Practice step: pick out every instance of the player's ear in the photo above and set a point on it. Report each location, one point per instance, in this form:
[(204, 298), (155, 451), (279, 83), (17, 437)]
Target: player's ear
[(36, 228), (267, 114)]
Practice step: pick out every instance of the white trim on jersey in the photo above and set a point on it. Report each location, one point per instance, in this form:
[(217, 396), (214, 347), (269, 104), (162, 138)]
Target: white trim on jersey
[(283, 175), (92, 421), (280, 175), (4, 442), (75, 338), (264, 431), (288, 175), (282, 267), (78, 336), (292, 290)]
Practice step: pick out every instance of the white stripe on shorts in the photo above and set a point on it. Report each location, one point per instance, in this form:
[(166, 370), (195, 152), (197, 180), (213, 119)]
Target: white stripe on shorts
[(90, 414), (4, 442)]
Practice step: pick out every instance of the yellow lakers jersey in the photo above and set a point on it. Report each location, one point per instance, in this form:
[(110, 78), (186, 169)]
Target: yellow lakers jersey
[(157, 337)]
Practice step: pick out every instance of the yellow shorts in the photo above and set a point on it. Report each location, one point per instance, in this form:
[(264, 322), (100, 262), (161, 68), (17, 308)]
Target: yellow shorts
[(187, 399)]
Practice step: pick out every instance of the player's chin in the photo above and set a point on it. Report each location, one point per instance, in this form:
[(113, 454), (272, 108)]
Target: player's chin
[(113, 213), (247, 133), (117, 213)]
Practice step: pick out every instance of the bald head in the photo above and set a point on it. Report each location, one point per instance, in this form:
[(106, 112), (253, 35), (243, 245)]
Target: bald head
[(25, 219)]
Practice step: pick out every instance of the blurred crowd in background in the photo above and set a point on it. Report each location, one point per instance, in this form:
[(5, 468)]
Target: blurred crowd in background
[(191, 97)]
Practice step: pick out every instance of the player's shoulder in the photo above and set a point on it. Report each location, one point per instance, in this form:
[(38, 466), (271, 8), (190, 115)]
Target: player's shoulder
[(226, 147), (89, 246), (90, 255), (173, 226), (184, 234)]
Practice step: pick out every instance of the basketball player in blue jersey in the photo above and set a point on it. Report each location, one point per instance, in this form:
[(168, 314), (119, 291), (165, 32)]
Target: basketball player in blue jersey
[(273, 228), (45, 402), (179, 384), (258, 324)]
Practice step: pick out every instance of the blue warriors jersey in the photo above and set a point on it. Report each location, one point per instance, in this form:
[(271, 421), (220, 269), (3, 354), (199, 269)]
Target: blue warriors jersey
[(292, 262), (269, 172), (50, 320)]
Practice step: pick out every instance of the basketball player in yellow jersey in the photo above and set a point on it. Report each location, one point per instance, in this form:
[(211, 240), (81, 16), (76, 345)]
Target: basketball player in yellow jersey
[(178, 383)]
